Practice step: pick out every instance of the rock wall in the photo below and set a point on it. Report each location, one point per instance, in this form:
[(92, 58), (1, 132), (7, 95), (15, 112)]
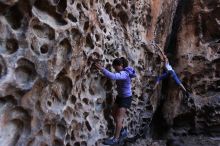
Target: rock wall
[(50, 94), (199, 63), (194, 53)]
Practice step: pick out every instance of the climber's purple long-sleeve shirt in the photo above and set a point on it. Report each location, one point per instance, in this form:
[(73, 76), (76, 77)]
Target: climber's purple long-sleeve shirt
[(123, 80)]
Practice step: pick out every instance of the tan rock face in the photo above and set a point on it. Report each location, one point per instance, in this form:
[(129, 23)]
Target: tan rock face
[(50, 94), (195, 57), (198, 61)]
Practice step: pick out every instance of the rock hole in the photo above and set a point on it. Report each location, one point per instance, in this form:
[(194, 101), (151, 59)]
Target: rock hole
[(61, 7), (118, 6), (72, 18), (108, 8), (68, 144), (8, 99), (72, 137), (67, 138), (97, 37), (91, 2), (49, 103), (79, 7), (65, 85), (86, 25), (73, 99), (57, 142), (86, 114), (86, 101), (104, 30), (77, 144), (83, 143), (91, 91), (11, 45), (3, 8), (101, 20), (123, 17), (108, 37), (44, 49), (89, 41), (65, 44), (114, 14), (25, 7), (76, 35), (133, 9), (14, 17), (88, 126), (25, 72), (42, 30)]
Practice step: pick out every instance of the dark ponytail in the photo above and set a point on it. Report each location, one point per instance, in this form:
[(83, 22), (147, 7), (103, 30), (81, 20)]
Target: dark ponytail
[(124, 62), (120, 61)]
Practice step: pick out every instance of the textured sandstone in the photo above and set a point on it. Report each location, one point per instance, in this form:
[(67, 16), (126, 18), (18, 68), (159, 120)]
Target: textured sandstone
[(51, 95)]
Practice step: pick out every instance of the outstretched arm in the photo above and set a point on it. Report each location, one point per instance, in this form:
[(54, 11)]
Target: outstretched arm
[(122, 75), (161, 51), (114, 76)]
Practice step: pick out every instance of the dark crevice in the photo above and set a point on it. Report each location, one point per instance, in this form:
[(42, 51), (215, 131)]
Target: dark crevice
[(89, 41), (160, 129), (108, 7), (72, 18), (61, 7), (14, 17), (85, 5), (3, 7), (171, 40), (123, 17), (11, 45), (86, 25)]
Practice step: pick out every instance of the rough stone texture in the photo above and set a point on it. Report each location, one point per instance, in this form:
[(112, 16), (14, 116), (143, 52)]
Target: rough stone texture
[(204, 64), (195, 56), (51, 95)]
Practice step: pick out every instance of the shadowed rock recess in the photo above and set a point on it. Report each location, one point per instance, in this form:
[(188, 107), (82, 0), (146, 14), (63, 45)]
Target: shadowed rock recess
[(51, 95)]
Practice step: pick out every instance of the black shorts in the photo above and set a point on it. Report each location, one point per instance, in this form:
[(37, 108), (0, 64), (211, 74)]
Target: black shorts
[(124, 101)]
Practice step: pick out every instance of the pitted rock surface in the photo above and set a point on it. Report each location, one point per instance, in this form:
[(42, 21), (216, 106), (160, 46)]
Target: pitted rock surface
[(51, 94)]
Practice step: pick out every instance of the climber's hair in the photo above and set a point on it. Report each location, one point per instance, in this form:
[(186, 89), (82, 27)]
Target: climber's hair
[(120, 61)]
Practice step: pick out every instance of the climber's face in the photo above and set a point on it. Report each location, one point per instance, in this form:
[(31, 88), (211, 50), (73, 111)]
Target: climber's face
[(118, 68)]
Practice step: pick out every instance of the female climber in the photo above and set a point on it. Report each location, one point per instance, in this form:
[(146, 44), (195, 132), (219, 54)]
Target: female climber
[(170, 72), (123, 76)]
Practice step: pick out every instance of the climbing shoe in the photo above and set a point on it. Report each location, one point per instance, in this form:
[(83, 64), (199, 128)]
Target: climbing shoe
[(123, 133), (111, 141), (186, 94)]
